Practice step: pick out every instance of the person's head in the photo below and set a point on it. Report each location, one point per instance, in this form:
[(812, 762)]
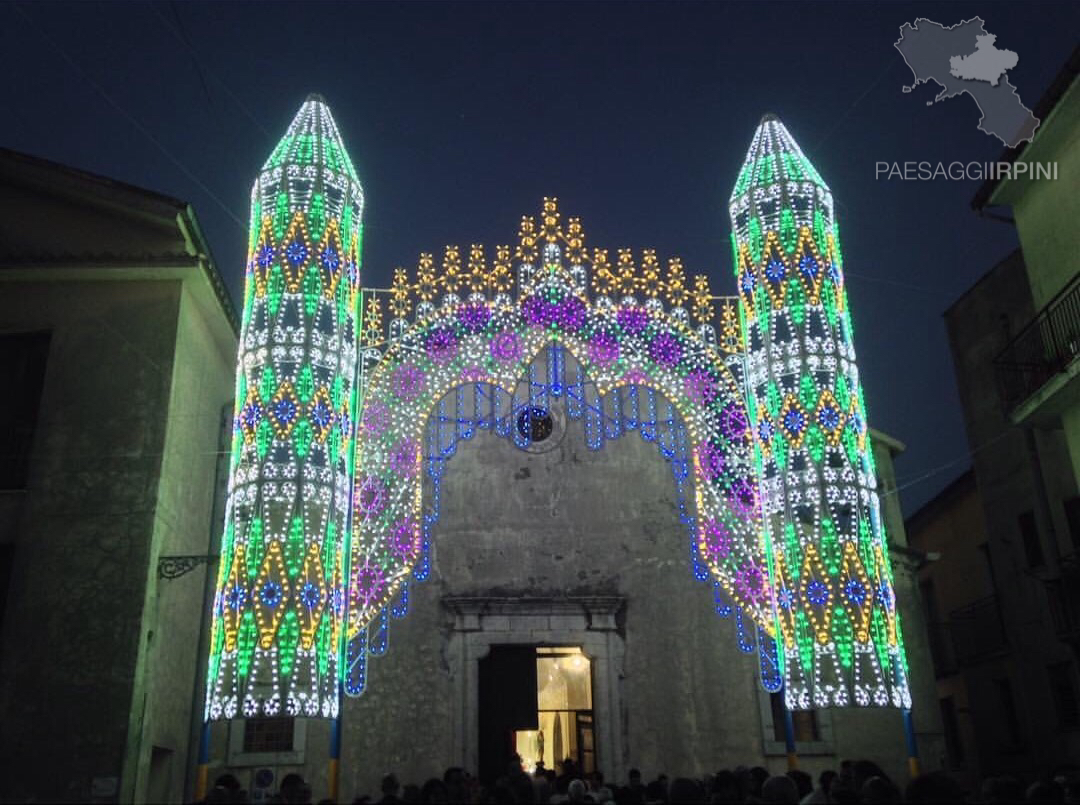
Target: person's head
[(879, 791), (294, 789), (683, 789), (757, 778), (500, 793), (227, 781), (390, 785), (725, 786), (635, 777), (220, 795), (575, 792), (826, 780), (803, 781), (1001, 789), (780, 790), (1045, 791), (434, 790), (842, 794), (456, 784), (454, 774), (863, 770), (934, 786), (522, 786), (656, 791), (1070, 782)]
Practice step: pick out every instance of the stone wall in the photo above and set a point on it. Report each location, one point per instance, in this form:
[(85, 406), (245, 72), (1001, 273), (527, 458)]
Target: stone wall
[(564, 523), (72, 628), (174, 612)]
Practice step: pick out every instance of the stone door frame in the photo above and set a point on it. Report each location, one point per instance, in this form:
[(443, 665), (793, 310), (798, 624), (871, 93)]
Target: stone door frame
[(590, 622)]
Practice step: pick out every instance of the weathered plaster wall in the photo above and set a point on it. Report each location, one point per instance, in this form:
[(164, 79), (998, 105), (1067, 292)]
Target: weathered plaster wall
[(173, 609), (71, 632), (1047, 210)]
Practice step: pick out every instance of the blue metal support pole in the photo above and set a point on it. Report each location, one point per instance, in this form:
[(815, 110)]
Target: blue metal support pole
[(912, 747)]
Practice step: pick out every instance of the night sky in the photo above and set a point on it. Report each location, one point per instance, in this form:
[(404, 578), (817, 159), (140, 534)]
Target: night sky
[(461, 117)]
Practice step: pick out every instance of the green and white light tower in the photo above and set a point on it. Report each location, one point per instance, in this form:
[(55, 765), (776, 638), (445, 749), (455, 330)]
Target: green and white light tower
[(278, 611), (837, 624)]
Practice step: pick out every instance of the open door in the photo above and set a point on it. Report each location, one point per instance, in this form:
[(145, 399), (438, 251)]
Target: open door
[(507, 704)]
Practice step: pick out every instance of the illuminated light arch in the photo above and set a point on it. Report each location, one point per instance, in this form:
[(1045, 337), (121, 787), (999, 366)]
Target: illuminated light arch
[(823, 619), (484, 350)]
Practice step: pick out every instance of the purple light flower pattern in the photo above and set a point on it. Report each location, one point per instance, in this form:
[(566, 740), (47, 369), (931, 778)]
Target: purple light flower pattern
[(407, 382)]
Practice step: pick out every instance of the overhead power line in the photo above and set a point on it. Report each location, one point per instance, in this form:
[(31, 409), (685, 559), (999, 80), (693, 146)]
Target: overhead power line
[(131, 118)]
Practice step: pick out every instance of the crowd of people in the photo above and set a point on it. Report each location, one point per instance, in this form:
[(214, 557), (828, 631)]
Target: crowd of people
[(860, 781)]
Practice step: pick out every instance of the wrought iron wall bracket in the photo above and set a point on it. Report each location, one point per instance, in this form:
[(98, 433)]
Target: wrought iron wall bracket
[(173, 567)]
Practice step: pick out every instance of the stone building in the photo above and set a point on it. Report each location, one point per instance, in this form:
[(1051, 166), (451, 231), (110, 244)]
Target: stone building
[(565, 602), (962, 612), (1007, 651), (117, 342)]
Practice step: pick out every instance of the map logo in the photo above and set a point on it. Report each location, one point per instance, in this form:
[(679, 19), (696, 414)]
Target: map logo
[(963, 59)]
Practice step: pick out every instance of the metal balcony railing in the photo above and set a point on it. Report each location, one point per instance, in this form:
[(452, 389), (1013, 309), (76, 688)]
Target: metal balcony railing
[(1045, 347), (977, 631)]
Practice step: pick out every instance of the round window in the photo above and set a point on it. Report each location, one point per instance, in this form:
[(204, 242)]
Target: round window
[(534, 423)]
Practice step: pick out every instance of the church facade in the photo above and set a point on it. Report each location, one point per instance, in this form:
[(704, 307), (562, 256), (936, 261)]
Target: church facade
[(554, 501)]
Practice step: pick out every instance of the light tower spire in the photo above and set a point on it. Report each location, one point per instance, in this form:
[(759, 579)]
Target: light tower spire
[(828, 556), (278, 609)]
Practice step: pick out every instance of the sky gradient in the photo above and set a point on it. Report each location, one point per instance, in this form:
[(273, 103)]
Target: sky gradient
[(461, 117)]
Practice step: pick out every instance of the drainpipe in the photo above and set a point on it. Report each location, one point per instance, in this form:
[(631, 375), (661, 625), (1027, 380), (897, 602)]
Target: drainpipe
[(199, 732)]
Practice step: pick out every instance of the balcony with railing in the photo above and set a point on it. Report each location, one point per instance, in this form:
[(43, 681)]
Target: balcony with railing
[(978, 632), (1038, 372)]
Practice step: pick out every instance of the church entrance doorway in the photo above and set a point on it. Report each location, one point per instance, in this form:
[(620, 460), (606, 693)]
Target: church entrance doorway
[(535, 702), (564, 712)]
